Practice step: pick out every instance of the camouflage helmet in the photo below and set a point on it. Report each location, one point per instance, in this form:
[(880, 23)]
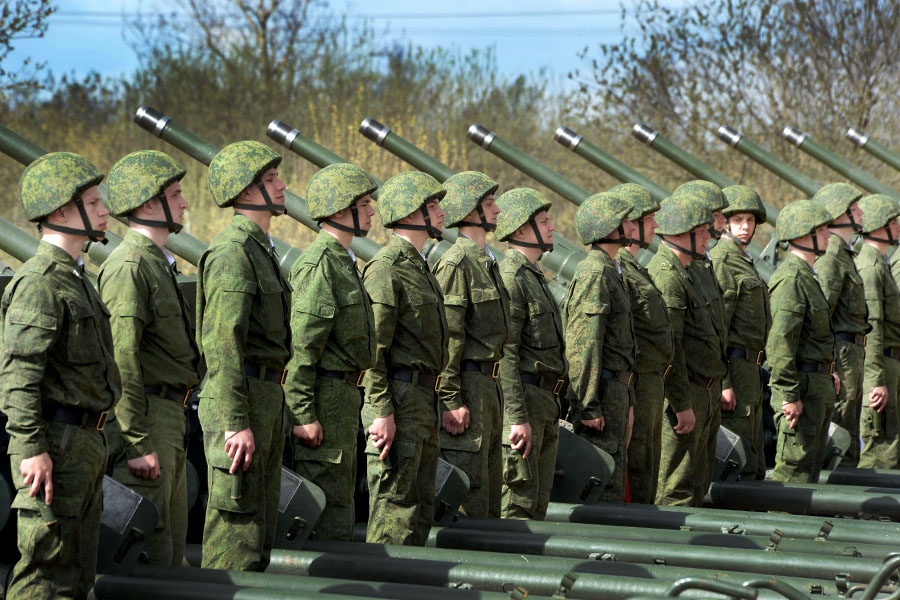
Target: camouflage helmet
[(837, 198), (236, 166), (682, 212), (878, 210), (405, 193), (744, 199), (643, 200), (707, 191), (138, 177), (465, 191), (600, 215), (518, 206), (53, 180), (335, 188), (800, 218)]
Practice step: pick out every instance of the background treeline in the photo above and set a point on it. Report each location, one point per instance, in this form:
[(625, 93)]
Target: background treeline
[(227, 68)]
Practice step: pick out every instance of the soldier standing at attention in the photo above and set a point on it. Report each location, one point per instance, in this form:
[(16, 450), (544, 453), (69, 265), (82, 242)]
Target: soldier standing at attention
[(599, 334), (154, 343), (800, 348), (880, 422), (477, 308), (533, 364), (333, 338), (698, 365), (747, 321), (244, 335), (58, 382), (653, 345), (400, 412), (843, 289)]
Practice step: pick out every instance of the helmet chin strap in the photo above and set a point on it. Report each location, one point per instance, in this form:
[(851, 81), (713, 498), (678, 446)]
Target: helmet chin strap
[(641, 242), (622, 240), (890, 237), (356, 230), (484, 222), (169, 223), (540, 245), (735, 238), (815, 249), (275, 209), (433, 232), (692, 252), (852, 224), (92, 234), (713, 232)]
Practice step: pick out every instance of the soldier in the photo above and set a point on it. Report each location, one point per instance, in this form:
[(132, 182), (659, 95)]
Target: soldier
[(477, 308), (533, 364), (712, 195), (747, 321), (599, 334), (58, 382), (400, 411), (880, 423), (153, 341), (333, 338), (843, 288), (698, 366), (800, 348), (244, 335), (653, 345)]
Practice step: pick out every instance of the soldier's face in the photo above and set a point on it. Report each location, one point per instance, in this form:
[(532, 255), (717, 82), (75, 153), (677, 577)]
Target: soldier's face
[(648, 222), (822, 235), (435, 213), (630, 228), (544, 225), (489, 208), (274, 187), (857, 213), (894, 228), (177, 203), (719, 221), (742, 226), (93, 206), (366, 211), (701, 237)]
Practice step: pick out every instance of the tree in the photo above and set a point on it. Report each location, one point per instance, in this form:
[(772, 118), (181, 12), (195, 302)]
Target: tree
[(21, 19)]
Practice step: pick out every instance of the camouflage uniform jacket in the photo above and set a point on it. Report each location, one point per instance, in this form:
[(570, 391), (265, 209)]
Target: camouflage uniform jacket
[(599, 331), (843, 288), (883, 303), (477, 307), (535, 344), (698, 347), (152, 333), (801, 326), (895, 267), (242, 317), (332, 324), (57, 347), (410, 326), (652, 328)]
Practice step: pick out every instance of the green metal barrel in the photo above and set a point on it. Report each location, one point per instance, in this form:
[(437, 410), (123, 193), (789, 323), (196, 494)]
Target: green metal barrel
[(889, 478), (879, 151), (16, 242), (768, 160)]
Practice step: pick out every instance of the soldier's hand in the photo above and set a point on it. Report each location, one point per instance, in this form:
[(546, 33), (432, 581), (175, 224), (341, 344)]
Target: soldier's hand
[(520, 437), (145, 467), (456, 421), (729, 400), (37, 471), (381, 432), (597, 424), (878, 397), (240, 446), (792, 412), (686, 421), (309, 435), (629, 429), (837, 384)]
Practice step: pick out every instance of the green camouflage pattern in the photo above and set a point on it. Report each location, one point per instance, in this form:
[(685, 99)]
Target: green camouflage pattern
[(744, 199), (643, 201), (236, 166), (600, 215), (518, 206), (403, 194), (138, 177), (53, 180), (706, 191), (336, 187), (878, 210), (680, 213), (465, 191), (836, 198), (800, 218)]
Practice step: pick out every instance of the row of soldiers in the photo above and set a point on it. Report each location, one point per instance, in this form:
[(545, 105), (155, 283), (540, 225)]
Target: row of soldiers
[(467, 361)]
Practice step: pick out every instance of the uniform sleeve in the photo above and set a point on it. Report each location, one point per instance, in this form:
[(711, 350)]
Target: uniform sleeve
[(874, 361), (895, 267), (452, 281), (31, 328), (378, 281), (586, 312), (513, 389), (789, 306), (674, 295), (730, 294)]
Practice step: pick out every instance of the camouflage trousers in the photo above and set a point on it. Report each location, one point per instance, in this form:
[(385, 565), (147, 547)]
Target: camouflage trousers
[(526, 492), (242, 510), (686, 463), (746, 418), (881, 430), (849, 361), (477, 451), (614, 403), (332, 464), (165, 545), (402, 487), (59, 559), (648, 390), (800, 451)]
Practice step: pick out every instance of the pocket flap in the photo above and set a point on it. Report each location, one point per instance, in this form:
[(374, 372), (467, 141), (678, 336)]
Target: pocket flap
[(319, 454)]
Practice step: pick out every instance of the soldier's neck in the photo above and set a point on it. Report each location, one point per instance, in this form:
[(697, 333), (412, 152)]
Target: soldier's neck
[(476, 234), (416, 238), (159, 235), (344, 237), (882, 247), (72, 244), (807, 257), (633, 249), (609, 249), (263, 218), (844, 233), (532, 254)]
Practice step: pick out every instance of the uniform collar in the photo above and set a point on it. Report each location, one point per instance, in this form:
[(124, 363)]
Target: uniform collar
[(473, 249), (666, 253), (249, 226), (729, 246), (605, 258), (60, 256), (407, 250), (332, 242), (517, 257)]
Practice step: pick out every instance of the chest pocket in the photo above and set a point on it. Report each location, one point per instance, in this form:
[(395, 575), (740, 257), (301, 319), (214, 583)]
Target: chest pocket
[(540, 328), (271, 302), (819, 313), (487, 313), (424, 318), (857, 292), (650, 309), (82, 336), (701, 313), (353, 319)]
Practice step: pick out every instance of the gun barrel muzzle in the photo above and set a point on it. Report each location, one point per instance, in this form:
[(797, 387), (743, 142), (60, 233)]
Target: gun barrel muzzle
[(480, 135), (373, 130), (567, 138), (151, 119), (794, 136), (857, 137), (644, 133), (729, 135), (282, 133)]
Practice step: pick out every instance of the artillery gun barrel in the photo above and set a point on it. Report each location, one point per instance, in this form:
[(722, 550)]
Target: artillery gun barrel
[(15, 242), (879, 151), (860, 476), (737, 140)]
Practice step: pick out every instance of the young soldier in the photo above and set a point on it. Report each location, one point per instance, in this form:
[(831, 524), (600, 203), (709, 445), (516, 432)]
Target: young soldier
[(712, 195), (242, 316), (154, 343), (400, 410), (698, 365), (880, 422), (477, 308), (599, 334), (747, 321), (58, 382), (800, 348), (533, 364), (653, 345), (333, 338), (843, 289)]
